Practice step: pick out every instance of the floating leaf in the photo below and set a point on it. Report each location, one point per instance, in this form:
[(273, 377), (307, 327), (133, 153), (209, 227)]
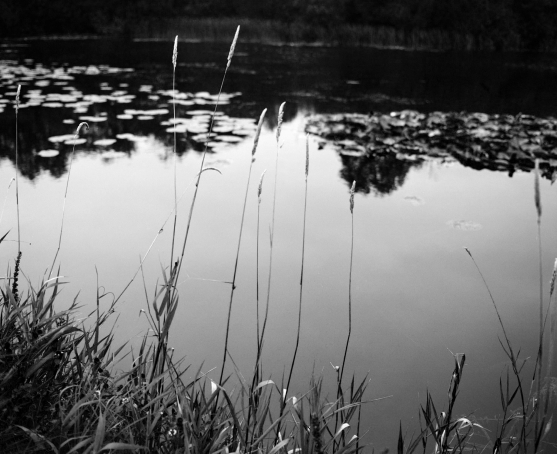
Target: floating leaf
[(48, 153), (464, 225)]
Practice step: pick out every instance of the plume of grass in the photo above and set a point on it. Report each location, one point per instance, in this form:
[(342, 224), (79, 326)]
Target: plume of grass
[(233, 286), (81, 125)]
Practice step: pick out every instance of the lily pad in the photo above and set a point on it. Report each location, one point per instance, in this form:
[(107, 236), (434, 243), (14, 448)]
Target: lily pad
[(48, 153), (464, 225)]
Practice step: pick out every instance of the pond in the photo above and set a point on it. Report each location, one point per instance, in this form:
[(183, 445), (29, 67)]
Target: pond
[(417, 297)]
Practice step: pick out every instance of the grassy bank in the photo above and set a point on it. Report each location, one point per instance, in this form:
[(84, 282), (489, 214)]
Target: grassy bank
[(61, 389), (304, 33)]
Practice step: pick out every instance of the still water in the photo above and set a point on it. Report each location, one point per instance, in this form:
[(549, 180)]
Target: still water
[(416, 295)]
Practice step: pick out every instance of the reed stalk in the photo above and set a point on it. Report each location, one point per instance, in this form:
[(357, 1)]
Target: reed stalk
[(82, 124), (194, 198), (174, 61), (254, 393), (340, 393), (537, 200), (272, 229), (16, 167), (233, 286), (352, 189), (259, 192), (283, 403)]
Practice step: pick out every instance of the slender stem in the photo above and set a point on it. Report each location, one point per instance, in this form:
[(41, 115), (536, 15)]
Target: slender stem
[(209, 134), (272, 230), (349, 282), (234, 278), (17, 167), (66, 196), (301, 288), (174, 58)]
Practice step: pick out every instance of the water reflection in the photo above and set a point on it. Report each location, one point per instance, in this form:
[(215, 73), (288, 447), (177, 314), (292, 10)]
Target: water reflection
[(381, 174)]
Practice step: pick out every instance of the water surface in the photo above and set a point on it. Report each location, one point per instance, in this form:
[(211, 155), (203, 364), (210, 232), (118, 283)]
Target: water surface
[(417, 298)]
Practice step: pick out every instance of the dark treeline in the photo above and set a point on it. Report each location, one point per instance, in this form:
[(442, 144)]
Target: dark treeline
[(530, 24)]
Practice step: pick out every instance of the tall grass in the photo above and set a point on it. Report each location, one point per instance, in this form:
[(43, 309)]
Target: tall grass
[(61, 390)]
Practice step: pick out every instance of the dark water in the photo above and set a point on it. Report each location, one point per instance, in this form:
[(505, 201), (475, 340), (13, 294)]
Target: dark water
[(416, 295)]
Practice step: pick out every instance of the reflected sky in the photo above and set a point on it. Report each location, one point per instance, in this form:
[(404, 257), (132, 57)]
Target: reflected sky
[(417, 297)]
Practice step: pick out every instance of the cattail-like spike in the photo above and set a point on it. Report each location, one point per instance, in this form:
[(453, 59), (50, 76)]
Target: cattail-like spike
[(352, 196), (232, 47), (175, 52), (16, 277), (279, 123), (257, 133)]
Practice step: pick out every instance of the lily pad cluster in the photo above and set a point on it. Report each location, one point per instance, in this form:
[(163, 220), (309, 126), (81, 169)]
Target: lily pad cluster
[(477, 140)]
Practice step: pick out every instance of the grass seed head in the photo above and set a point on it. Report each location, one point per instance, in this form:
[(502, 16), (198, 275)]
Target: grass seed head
[(279, 122), (83, 123), (258, 132), (307, 155), (232, 47), (352, 196), (260, 185), (175, 52), (537, 188), (17, 98)]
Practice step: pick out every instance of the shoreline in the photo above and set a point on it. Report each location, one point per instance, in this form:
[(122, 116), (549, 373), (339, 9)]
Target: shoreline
[(294, 34)]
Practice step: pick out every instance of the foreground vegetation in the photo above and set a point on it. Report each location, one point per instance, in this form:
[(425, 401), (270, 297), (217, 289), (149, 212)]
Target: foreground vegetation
[(497, 24), (60, 391)]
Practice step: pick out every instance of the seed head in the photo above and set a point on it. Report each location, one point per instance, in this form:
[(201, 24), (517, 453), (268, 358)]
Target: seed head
[(17, 98), (537, 189), (83, 123), (258, 132), (279, 122), (175, 52), (352, 196), (260, 185), (232, 47)]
